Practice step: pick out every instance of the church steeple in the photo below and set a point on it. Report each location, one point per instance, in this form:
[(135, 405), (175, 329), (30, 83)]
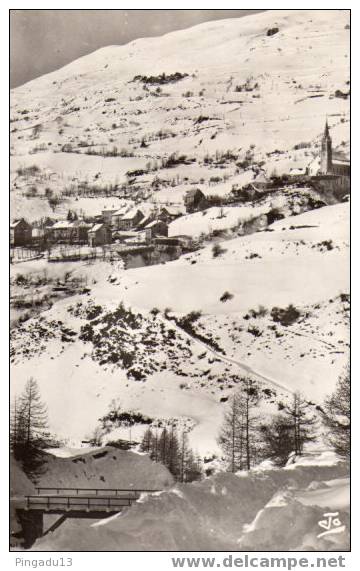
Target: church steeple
[(326, 151), (326, 131)]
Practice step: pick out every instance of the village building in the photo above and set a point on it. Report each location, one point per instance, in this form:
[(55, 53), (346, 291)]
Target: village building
[(195, 200), (130, 220), (20, 233), (156, 228), (168, 214), (62, 231), (138, 238), (260, 182), (81, 230), (99, 235), (107, 213), (145, 221), (180, 243), (333, 174), (116, 217), (120, 236), (245, 193), (66, 232), (41, 232)]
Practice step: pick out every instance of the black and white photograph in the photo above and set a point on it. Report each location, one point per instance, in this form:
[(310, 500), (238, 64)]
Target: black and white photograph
[(179, 281)]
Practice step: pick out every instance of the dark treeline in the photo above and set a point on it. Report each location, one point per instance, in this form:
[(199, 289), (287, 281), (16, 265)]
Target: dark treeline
[(246, 438), (172, 451)]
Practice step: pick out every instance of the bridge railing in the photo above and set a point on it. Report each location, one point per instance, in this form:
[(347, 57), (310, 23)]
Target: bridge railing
[(69, 491), (76, 503)]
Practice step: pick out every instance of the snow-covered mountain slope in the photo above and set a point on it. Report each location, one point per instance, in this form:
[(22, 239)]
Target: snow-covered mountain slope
[(216, 95), (86, 350)]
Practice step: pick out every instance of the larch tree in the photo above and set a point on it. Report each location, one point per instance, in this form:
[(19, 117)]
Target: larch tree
[(231, 434), (277, 438), (239, 433), (337, 416), (29, 429), (175, 454), (163, 446), (147, 441), (189, 463), (302, 421)]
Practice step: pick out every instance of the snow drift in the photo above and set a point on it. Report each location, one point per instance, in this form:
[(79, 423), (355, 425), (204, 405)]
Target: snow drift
[(106, 467), (226, 512)]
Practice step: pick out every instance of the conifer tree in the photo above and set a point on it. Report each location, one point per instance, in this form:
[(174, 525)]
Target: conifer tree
[(163, 447), (147, 441), (239, 433), (29, 429), (231, 435), (175, 455), (303, 423), (277, 440), (336, 415)]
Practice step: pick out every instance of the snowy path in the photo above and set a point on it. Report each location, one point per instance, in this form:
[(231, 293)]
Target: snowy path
[(231, 361)]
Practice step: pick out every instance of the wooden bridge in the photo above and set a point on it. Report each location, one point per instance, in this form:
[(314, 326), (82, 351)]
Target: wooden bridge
[(94, 503)]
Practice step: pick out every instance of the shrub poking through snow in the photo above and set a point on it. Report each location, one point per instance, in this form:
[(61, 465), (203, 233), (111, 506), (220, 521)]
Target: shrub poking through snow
[(226, 296), (286, 316), (272, 31), (254, 331), (160, 79), (217, 250)]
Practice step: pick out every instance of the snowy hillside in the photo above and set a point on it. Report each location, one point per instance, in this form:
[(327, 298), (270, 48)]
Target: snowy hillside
[(194, 107), (178, 358), (87, 350)]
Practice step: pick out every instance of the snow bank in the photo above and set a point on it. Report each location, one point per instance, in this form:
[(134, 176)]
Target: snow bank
[(225, 512), (107, 467)]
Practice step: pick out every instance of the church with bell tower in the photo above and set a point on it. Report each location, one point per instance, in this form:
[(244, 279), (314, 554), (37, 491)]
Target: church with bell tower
[(326, 152), (333, 174)]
